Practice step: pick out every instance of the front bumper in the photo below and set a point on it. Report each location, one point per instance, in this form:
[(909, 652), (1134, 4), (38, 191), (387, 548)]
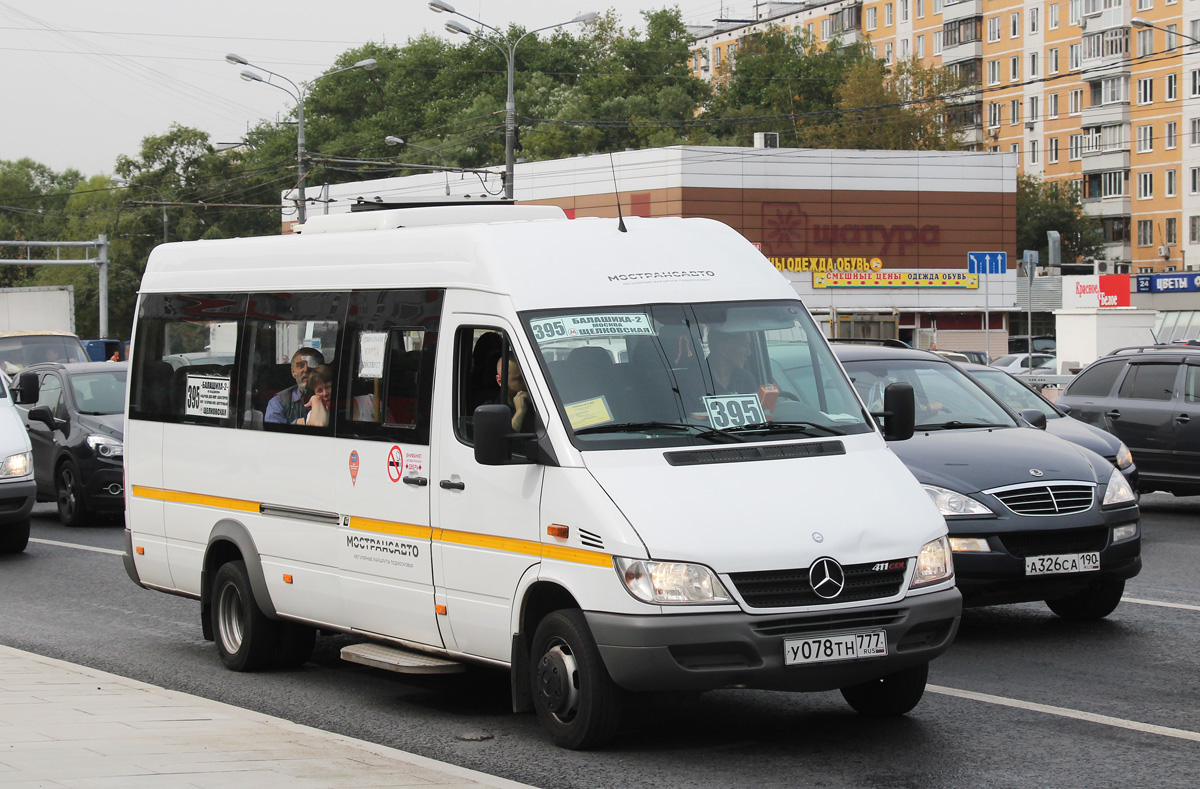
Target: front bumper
[(16, 500), (998, 576), (104, 489), (709, 651)]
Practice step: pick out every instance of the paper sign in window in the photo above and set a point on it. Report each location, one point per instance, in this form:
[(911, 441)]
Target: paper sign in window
[(587, 413), (207, 396), (372, 349)]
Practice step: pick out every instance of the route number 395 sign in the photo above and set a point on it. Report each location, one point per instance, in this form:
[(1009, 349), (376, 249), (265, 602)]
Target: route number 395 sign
[(725, 411)]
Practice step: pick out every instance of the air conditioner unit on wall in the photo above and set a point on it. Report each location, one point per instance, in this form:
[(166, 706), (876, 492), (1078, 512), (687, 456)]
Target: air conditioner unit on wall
[(1102, 267), (1164, 251), (766, 139)]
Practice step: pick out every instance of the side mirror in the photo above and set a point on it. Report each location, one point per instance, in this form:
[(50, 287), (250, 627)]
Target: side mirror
[(26, 390), (1034, 417), (43, 414), (899, 412), (493, 424)]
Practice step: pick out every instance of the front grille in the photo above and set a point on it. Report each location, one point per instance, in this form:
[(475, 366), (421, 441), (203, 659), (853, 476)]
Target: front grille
[(1048, 499), (781, 588), (1051, 543), (825, 623)]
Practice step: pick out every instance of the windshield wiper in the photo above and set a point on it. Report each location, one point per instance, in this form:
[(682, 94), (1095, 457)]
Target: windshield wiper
[(957, 425), (618, 427), (785, 426)]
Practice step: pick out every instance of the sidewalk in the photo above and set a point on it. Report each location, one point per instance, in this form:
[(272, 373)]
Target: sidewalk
[(63, 725)]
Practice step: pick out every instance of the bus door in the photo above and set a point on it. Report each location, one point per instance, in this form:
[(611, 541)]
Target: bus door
[(486, 518), (382, 453)]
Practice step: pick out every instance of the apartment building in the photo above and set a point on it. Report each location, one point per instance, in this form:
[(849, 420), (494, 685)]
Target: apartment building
[(1102, 94)]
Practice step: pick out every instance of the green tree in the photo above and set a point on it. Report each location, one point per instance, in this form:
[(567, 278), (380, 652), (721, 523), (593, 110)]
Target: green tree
[(1054, 205), (899, 108)]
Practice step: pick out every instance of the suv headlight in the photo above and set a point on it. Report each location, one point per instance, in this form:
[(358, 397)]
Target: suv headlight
[(670, 582), (106, 446), (950, 503), (1118, 490), (17, 465), (1124, 457), (934, 564)]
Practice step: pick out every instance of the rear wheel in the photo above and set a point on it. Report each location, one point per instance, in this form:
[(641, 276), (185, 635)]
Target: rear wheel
[(889, 696), (68, 492), (246, 638), (575, 699), (14, 537), (1094, 603)]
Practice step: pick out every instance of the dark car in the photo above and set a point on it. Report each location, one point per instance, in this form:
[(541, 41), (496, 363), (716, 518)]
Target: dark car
[(1031, 517), (1020, 397), (76, 427), (976, 357), (1042, 343), (1149, 397)]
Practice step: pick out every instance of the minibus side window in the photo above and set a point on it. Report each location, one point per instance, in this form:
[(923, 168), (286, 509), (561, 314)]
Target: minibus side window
[(185, 350), (291, 342), (390, 347), (479, 351)]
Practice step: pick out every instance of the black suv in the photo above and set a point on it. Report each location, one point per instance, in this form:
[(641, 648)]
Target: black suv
[(1031, 516), (1149, 397)]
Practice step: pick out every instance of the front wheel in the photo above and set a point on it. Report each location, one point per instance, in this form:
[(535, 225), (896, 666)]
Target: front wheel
[(1092, 603), (246, 638), (894, 694), (14, 537), (574, 696), (68, 492)]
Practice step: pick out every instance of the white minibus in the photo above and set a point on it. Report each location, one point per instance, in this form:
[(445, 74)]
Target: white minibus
[(491, 434)]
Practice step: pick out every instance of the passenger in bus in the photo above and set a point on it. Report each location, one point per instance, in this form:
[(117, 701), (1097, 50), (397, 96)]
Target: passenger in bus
[(728, 352), (515, 395), (287, 407), (320, 403)]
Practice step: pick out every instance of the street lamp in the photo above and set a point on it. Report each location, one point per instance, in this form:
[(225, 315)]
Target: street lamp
[(1138, 21), (298, 94), (127, 183), (390, 140), (509, 52)]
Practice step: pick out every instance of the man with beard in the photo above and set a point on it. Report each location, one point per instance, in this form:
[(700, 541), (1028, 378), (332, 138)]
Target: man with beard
[(287, 407)]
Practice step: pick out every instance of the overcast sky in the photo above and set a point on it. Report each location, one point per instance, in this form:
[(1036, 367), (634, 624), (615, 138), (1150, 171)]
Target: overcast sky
[(86, 80)]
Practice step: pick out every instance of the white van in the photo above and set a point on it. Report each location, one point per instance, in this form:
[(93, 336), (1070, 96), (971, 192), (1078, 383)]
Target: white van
[(17, 488), (628, 513)]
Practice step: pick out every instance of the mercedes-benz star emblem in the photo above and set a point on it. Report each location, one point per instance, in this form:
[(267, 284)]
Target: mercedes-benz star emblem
[(1035, 472), (818, 537), (826, 578)]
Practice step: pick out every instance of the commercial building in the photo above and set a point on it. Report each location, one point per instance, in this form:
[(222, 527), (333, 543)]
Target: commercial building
[(878, 243), (1098, 93)]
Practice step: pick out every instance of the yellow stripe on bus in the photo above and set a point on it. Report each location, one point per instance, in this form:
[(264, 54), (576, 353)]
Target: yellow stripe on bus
[(389, 527), (472, 539), (181, 497)]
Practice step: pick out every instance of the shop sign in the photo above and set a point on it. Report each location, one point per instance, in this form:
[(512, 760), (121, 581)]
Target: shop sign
[(895, 279), (1167, 283), (1090, 292)]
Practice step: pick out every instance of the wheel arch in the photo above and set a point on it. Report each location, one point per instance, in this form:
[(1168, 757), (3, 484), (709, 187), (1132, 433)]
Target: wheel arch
[(229, 541), (538, 599)]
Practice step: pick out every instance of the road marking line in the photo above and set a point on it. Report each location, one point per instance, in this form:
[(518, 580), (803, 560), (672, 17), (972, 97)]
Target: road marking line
[(75, 545), (1184, 606), (1091, 717)]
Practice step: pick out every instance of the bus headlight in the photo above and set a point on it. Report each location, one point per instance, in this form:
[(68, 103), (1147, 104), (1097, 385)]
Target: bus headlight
[(17, 465), (934, 564), (670, 582)]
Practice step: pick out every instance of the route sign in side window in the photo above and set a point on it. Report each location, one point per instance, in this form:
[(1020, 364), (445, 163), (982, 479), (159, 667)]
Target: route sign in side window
[(185, 351), (291, 342), (390, 349)]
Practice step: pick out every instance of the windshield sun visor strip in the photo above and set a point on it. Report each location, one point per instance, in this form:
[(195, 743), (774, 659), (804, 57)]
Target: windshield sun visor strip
[(743, 454)]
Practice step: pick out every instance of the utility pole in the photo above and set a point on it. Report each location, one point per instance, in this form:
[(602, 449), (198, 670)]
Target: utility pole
[(100, 244)]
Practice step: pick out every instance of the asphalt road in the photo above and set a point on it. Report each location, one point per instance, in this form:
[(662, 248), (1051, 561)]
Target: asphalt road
[(1023, 699)]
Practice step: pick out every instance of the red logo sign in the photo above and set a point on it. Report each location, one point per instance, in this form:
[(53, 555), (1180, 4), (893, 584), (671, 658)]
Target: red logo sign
[(395, 464), (354, 467)]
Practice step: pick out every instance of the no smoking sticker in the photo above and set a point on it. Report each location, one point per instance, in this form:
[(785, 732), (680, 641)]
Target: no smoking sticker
[(395, 464)]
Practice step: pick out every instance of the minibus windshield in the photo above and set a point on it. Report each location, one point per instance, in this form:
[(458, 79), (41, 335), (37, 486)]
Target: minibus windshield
[(685, 374)]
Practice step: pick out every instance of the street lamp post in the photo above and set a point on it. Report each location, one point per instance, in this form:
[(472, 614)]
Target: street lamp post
[(390, 140), (1138, 21), (127, 183), (509, 52), (298, 93)]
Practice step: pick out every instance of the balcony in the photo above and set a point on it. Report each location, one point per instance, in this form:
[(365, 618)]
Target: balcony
[(971, 50), (960, 10), (1118, 251), (1113, 158), (1107, 206), (1104, 20), (1105, 114)]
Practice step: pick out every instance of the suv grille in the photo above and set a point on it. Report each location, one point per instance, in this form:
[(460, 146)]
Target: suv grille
[(1048, 499), (1050, 543), (780, 588)]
